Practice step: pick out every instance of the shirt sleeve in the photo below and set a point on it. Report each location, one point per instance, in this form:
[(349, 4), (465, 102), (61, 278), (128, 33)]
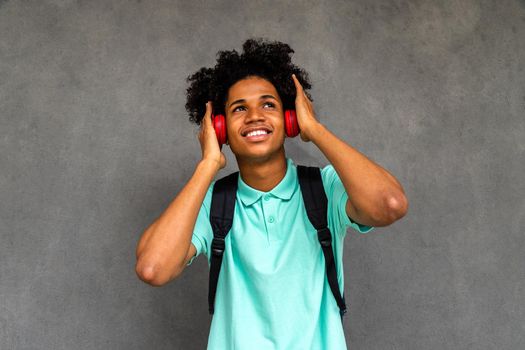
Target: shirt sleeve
[(202, 232), (337, 198)]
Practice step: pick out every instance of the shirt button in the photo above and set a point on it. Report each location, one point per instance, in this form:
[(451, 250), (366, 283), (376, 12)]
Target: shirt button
[(271, 219), (266, 197)]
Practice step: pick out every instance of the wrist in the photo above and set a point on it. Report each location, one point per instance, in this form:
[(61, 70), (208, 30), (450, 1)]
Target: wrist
[(208, 164), (316, 131)]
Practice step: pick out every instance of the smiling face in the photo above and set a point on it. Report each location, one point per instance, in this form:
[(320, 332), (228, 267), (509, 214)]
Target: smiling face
[(254, 120)]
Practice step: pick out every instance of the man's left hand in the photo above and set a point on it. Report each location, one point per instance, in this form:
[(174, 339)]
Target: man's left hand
[(304, 110)]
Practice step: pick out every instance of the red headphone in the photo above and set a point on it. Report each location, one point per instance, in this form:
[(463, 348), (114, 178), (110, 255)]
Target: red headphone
[(291, 126)]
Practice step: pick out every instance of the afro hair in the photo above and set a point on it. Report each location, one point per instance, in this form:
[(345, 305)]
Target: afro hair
[(270, 60)]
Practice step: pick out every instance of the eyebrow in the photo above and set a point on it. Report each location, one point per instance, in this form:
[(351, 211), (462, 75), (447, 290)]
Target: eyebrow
[(260, 98)]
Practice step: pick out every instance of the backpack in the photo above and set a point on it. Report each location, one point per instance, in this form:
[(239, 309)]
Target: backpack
[(221, 218)]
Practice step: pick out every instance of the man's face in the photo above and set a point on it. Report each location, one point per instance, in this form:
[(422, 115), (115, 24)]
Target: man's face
[(253, 105)]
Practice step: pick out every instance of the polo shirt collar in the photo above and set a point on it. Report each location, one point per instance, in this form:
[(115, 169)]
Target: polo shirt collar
[(283, 190)]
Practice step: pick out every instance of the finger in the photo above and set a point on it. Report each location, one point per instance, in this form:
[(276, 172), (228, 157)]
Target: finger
[(305, 95), (296, 83), (299, 87), (207, 114)]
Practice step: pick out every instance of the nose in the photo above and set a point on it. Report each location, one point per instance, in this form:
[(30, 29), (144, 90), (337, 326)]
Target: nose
[(253, 115)]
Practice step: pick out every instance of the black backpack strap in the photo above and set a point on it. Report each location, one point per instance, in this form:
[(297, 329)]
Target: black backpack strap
[(221, 218), (316, 205)]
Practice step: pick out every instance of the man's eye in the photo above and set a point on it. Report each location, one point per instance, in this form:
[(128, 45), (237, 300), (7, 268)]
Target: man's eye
[(265, 103)]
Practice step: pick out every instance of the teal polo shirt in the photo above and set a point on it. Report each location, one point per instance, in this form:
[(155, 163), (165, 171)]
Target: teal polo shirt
[(273, 292)]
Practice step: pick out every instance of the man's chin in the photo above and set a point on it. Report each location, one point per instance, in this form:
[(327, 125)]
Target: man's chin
[(259, 156)]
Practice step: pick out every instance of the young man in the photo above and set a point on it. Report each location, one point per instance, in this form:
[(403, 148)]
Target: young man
[(273, 291)]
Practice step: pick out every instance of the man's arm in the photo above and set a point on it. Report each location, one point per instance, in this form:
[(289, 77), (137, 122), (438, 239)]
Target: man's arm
[(165, 247), (375, 197)]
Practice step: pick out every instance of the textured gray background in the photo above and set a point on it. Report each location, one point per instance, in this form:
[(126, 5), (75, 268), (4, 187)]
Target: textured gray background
[(95, 143)]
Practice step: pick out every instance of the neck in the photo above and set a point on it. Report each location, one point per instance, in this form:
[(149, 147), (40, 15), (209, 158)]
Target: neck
[(263, 174)]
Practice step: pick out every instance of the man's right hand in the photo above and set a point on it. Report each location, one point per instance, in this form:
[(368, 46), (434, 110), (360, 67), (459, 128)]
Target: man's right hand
[(208, 140)]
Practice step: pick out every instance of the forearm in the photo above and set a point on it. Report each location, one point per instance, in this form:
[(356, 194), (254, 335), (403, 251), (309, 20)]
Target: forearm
[(162, 249), (370, 188)]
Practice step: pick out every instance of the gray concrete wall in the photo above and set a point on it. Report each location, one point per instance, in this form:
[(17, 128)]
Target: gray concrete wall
[(95, 143)]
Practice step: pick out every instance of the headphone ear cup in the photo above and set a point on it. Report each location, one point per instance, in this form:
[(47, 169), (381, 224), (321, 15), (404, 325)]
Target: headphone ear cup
[(219, 124), (291, 126)]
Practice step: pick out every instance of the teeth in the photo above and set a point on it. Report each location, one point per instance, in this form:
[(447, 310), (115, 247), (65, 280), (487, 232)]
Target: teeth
[(256, 132)]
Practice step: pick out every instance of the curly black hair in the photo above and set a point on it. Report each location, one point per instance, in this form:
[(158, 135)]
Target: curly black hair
[(260, 57)]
